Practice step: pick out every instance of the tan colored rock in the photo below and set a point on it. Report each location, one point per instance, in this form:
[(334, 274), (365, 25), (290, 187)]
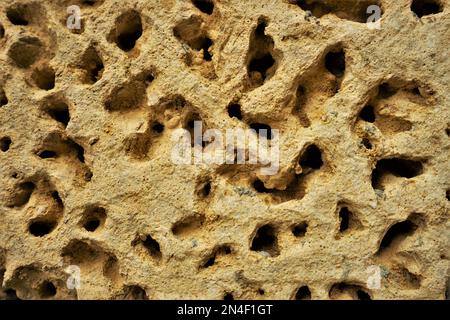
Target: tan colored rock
[(92, 205)]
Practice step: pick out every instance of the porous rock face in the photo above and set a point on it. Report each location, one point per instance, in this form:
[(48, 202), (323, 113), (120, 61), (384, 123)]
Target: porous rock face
[(89, 188)]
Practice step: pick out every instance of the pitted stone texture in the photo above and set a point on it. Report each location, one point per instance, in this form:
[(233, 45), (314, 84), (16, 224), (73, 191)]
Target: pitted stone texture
[(88, 184)]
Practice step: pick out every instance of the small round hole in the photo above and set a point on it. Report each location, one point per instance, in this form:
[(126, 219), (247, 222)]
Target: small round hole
[(5, 143), (234, 111), (158, 127), (47, 290), (41, 228)]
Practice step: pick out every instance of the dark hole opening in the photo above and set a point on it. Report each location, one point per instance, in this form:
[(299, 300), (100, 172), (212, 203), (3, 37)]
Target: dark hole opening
[(5, 143), (368, 114), (11, 294), (206, 44), (206, 189), (57, 198), (362, 295), (300, 229), (158, 127), (3, 98), (44, 78), (303, 293), (47, 290), (210, 262), (129, 31), (259, 186), (41, 228), (426, 7), (398, 230), (265, 240), (366, 143), (152, 246), (205, 6), (396, 166), (92, 224), (17, 16), (335, 63), (228, 296), (234, 110), (261, 65), (60, 113), (344, 217), (385, 91), (263, 130), (80, 152), (47, 154), (311, 158)]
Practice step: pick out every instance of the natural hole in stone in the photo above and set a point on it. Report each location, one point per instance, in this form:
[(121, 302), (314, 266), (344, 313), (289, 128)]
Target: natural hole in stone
[(191, 32), (265, 240), (23, 193), (128, 30), (47, 154), (426, 7), (228, 296), (397, 167), (3, 98), (59, 111), (368, 114), (261, 291), (18, 15), (353, 11), (261, 62), (149, 79), (385, 90), (206, 190), (188, 224), (263, 130), (260, 187), (335, 63), (348, 220), (299, 230), (311, 158), (362, 295), (80, 151), (2, 31), (11, 294), (342, 290), (367, 144), (5, 143), (221, 250), (92, 64), (150, 244), (40, 228), (303, 293), (44, 77), (93, 218), (47, 290), (158, 127), (25, 51), (397, 233), (205, 6), (55, 195), (234, 110), (133, 292), (448, 194), (344, 217)]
